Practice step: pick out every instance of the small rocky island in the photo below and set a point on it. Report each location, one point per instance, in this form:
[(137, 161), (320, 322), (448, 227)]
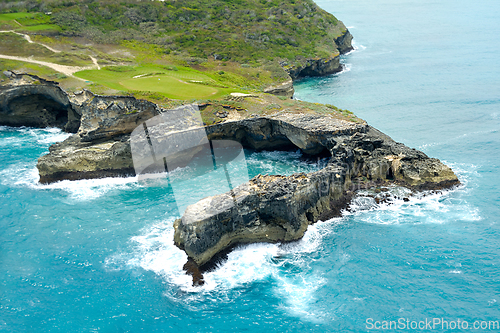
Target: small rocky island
[(268, 208)]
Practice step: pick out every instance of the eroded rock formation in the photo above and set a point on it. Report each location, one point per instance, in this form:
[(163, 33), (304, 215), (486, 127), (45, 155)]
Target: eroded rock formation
[(270, 208), (101, 147), (313, 66), (28, 100), (278, 208), (321, 66)]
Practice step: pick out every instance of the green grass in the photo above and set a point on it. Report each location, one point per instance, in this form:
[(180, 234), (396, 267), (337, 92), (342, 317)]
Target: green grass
[(170, 86), (183, 83), (15, 16), (29, 21), (40, 27)]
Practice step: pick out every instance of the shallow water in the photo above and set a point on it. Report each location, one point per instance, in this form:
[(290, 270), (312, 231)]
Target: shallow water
[(97, 255)]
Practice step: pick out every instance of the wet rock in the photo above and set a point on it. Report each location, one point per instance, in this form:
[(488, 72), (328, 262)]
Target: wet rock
[(191, 268), (279, 209)]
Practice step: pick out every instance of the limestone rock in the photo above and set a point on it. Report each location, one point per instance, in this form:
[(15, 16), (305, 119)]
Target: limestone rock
[(344, 42), (278, 208), (284, 89), (321, 66), (101, 148), (28, 100), (110, 116), (315, 67)]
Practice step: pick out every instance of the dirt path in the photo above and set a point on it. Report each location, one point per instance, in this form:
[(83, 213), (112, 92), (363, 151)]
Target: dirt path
[(66, 70), (28, 39), (94, 60)]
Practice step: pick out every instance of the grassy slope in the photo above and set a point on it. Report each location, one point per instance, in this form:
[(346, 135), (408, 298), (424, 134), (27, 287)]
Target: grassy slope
[(244, 31), (15, 45), (240, 30)]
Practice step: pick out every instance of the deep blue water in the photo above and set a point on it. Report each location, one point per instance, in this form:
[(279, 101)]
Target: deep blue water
[(97, 255)]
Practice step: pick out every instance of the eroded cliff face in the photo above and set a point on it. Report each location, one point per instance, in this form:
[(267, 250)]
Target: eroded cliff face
[(313, 66), (321, 66), (101, 147), (269, 208), (278, 208), (28, 100), (344, 42)]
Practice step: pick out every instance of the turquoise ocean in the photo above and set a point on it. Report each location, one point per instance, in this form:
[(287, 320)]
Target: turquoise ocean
[(98, 255)]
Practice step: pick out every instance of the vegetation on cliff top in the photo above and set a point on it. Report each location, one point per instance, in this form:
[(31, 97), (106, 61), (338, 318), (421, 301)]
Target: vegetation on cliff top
[(240, 30), (171, 51)]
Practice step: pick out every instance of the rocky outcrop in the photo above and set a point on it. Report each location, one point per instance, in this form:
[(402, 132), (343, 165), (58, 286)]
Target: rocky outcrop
[(284, 89), (101, 147), (278, 208), (28, 100), (321, 66), (269, 208), (344, 42), (314, 67)]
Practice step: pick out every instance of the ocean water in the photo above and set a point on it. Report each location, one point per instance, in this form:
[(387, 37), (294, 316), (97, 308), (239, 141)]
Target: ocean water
[(98, 256)]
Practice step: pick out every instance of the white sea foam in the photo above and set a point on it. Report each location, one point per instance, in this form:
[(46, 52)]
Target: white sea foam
[(29, 136), (345, 68), (455, 271), (420, 208), (155, 251), (89, 189), (357, 46), (289, 265), (26, 175), (401, 206)]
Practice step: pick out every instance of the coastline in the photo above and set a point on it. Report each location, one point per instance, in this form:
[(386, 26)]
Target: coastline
[(99, 254), (101, 147), (283, 207)]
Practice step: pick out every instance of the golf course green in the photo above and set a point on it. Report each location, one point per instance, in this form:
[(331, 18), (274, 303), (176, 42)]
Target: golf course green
[(170, 86)]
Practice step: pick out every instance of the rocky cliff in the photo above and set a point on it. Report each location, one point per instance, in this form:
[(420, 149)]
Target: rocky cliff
[(321, 66), (28, 100), (313, 66), (269, 208), (278, 209), (101, 146)]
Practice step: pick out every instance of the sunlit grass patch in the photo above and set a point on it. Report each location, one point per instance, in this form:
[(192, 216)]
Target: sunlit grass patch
[(170, 86), (178, 83)]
